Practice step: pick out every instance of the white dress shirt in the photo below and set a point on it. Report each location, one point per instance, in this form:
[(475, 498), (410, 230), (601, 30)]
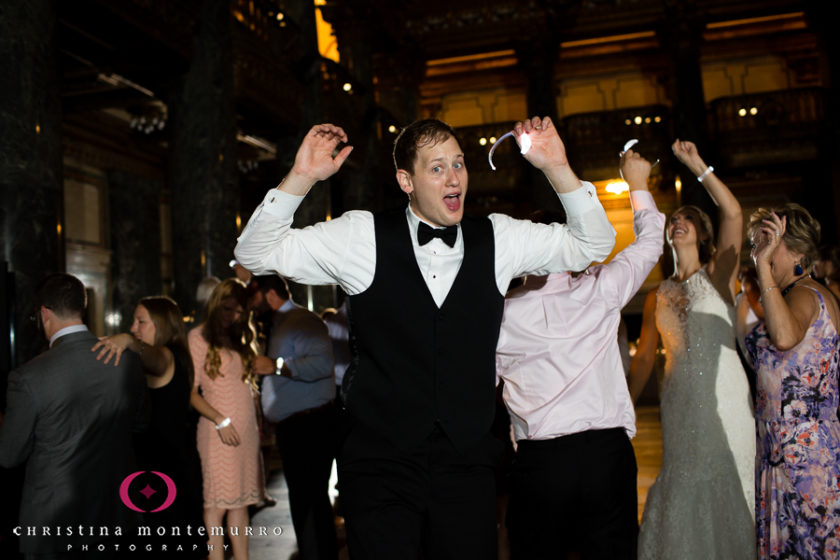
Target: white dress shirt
[(66, 330), (558, 348), (343, 251)]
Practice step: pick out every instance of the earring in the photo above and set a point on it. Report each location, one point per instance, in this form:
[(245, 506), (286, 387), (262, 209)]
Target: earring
[(797, 270)]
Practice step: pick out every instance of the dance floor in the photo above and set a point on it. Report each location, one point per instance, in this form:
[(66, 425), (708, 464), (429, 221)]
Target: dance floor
[(647, 443)]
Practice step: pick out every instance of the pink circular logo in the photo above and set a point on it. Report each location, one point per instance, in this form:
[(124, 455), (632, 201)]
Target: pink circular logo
[(148, 491)]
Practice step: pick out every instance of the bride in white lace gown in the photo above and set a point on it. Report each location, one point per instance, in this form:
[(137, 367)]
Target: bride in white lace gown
[(701, 505)]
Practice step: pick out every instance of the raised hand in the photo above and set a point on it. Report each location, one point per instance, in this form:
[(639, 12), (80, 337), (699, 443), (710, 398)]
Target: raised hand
[(687, 153), (634, 169), (547, 150), (112, 347), (316, 159), (768, 238)]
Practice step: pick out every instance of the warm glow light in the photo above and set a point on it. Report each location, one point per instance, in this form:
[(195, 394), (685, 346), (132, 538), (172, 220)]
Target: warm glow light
[(280, 16), (392, 129), (37, 128), (58, 229), (638, 120), (678, 185), (347, 87), (238, 221), (482, 141), (617, 187), (657, 119), (647, 120), (628, 122), (492, 139), (327, 45), (753, 110), (742, 112)]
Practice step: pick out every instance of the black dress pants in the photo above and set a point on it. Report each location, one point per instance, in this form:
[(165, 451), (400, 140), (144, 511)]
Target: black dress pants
[(574, 493), (431, 502), (306, 445)]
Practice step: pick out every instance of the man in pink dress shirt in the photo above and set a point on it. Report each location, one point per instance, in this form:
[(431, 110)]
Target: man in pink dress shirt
[(573, 481)]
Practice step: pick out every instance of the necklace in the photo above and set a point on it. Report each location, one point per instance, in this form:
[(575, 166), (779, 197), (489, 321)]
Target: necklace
[(792, 284)]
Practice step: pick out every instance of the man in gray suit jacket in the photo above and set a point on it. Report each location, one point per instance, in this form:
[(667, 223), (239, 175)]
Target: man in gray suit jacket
[(70, 419)]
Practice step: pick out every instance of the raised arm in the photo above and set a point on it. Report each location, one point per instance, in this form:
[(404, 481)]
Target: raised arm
[(317, 254), (626, 272), (723, 268), (317, 158), (642, 364), (547, 153), (787, 318)]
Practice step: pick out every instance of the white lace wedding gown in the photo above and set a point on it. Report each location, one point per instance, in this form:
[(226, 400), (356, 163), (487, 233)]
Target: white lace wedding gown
[(702, 503)]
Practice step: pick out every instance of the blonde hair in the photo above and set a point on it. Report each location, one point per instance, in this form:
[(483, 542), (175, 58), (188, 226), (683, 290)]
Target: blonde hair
[(802, 231), (240, 336)]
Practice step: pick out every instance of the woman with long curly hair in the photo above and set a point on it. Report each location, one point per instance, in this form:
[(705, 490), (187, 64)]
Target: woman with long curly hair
[(226, 364)]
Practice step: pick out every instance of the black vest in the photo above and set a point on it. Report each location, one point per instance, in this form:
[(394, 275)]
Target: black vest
[(414, 364)]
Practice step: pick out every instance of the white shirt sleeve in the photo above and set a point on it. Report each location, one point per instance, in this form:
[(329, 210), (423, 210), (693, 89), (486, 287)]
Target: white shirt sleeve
[(340, 251), (523, 247)]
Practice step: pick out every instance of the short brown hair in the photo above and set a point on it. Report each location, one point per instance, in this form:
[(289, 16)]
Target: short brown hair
[(415, 136), (802, 231), (63, 294), (705, 234)]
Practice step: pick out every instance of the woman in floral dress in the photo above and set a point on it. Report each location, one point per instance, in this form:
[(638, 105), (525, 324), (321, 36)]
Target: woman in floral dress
[(795, 353)]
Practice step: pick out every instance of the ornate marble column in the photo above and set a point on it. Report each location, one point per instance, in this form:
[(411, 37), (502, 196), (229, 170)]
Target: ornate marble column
[(30, 162), (134, 204), (202, 171), (682, 37)]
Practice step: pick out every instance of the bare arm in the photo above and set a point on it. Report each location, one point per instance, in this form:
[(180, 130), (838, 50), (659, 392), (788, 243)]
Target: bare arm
[(723, 268), (787, 318), (156, 360), (228, 433), (642, 364)]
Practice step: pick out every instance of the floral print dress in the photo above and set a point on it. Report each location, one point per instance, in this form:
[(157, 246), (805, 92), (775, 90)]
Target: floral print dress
[(798, 446)]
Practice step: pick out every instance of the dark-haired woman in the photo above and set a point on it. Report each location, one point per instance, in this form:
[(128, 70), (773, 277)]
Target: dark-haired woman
[(701, 505), (795, 354), (168, 445), (226, 364)]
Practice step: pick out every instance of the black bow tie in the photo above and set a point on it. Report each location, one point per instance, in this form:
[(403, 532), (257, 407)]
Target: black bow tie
[(426, 233)]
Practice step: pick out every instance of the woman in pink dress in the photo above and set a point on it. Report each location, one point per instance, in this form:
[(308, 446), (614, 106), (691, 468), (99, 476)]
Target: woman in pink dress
[(226, 364)]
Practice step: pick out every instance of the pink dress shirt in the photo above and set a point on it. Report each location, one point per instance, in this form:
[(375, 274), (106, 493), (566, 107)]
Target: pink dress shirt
[(558, 348)]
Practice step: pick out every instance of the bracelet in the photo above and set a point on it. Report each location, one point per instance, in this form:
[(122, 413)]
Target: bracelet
[(705, 173), (765, 290), (224, 423)]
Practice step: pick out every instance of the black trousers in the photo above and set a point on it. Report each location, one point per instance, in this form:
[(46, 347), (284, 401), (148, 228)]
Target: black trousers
[(431, 502), (574, 493), (306, 445)]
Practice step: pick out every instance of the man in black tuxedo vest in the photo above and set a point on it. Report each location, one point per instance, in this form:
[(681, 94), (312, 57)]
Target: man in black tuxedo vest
[(426, 291), (70, 419)]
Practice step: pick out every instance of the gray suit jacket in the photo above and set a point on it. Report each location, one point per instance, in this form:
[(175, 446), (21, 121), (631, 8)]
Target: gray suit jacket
[(70, 418)]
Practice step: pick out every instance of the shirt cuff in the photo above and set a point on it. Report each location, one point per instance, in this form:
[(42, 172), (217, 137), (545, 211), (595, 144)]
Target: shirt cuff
[(580, 201), (642, 200), (280, 203)]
